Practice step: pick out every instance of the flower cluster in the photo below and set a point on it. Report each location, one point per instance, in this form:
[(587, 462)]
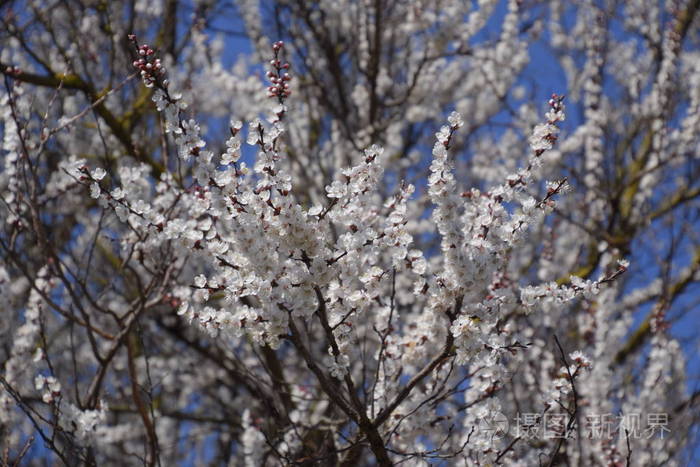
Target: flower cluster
[(551, 291), (84, 424), (544, 135), (52, 385), (151, 68), (278, 75)]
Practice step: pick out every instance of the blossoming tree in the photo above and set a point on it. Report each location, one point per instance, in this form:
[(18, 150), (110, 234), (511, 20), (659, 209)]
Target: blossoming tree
[(368, 243)]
